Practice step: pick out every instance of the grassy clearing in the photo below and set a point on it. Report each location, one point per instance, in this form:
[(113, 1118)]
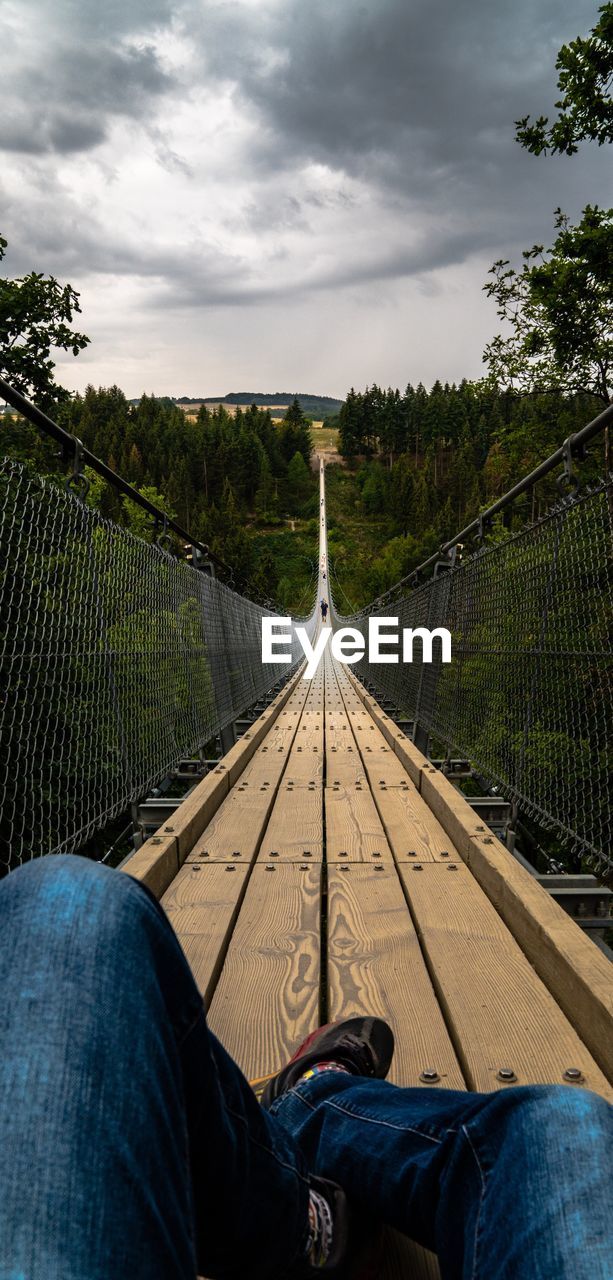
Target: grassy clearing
[(324, 437)]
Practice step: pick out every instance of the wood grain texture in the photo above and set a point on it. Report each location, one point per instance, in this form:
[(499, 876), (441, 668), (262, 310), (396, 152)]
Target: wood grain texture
[(235, 831), (412, 830), (296, 828), (577, 974), (498, 1011), (403, 1259), (307, 762), (155, 864), (375, 964), (267, 999), (354, 832), (195, 812), (345, 768), (235, 760), (202, 904)]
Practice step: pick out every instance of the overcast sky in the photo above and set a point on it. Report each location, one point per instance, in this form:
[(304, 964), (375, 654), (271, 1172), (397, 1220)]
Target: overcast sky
[(280, 194)]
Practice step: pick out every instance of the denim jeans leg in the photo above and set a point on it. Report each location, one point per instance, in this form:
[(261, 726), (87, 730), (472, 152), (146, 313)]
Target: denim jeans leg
[(515, 1185), (130, 1144)]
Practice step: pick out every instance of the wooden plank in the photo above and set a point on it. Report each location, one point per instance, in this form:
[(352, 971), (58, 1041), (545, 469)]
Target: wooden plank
[(375, 964), (407, 752), (403, 1259), (354, 832), (575, 971), (267, 999), (307, 761), (155, 864), (382, 766), (295, 830), (160, 857), (499, 1013), (412, 830), (345, 768), (235, 831), (202, 904)]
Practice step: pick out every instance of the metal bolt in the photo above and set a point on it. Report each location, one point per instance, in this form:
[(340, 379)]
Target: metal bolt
[(506, 1074), (379, 867), (228, 868), (303, 866), (574, 1075), (488, 840), (196, 867), (306, 853), (236, 853), (273, 853), (156, 840), (343, 853), (376, 853), (444, 853), (411, 853), (343, 868), (453, 866), (418, 867), (429, 1075), (169, 829), (271, 868)]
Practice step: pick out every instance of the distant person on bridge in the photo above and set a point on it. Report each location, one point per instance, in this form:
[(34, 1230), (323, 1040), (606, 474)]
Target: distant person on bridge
[(132, 1148), (324, 608)]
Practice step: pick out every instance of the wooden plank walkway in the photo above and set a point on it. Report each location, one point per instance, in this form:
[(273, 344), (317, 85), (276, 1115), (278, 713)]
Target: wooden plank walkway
[(325, 846), (325, 869)]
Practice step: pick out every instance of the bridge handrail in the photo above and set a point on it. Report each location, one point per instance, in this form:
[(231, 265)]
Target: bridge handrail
[(572, 448), (84, 458), (527, 696)]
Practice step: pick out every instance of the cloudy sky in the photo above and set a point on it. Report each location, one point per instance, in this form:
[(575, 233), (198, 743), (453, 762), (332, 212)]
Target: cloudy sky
[(280, 194)]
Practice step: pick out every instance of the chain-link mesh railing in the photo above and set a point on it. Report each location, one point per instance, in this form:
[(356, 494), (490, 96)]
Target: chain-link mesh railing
[(528, 695), (117, 661)]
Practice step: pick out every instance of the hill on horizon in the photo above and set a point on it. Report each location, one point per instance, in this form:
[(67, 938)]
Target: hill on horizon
[(315, 406)]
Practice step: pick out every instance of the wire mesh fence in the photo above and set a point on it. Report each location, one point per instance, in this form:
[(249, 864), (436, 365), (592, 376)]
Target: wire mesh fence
[(116, 661), (528, 695)]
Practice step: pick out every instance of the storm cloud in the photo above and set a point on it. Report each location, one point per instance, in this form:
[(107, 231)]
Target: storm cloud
[(203, 171)]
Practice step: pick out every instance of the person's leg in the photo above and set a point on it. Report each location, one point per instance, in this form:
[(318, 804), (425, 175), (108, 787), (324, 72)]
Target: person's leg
[(123, 1123), (514, 1185), (130, 1144)]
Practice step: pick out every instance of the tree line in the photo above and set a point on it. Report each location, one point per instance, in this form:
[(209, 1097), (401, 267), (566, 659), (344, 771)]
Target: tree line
[(425, 463), (216, 473)]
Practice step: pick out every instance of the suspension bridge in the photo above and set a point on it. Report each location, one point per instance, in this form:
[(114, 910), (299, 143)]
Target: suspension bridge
[(323, 865)]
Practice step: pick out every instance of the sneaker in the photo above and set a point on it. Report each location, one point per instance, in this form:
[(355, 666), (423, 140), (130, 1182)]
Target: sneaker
[(356, 1245), (364, 1046)]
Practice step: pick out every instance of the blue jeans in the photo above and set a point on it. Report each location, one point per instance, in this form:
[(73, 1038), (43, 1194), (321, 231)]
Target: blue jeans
[(131, 1145)]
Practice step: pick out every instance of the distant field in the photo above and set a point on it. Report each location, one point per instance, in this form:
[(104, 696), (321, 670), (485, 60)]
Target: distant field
[(325, 437), (191, 410)]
